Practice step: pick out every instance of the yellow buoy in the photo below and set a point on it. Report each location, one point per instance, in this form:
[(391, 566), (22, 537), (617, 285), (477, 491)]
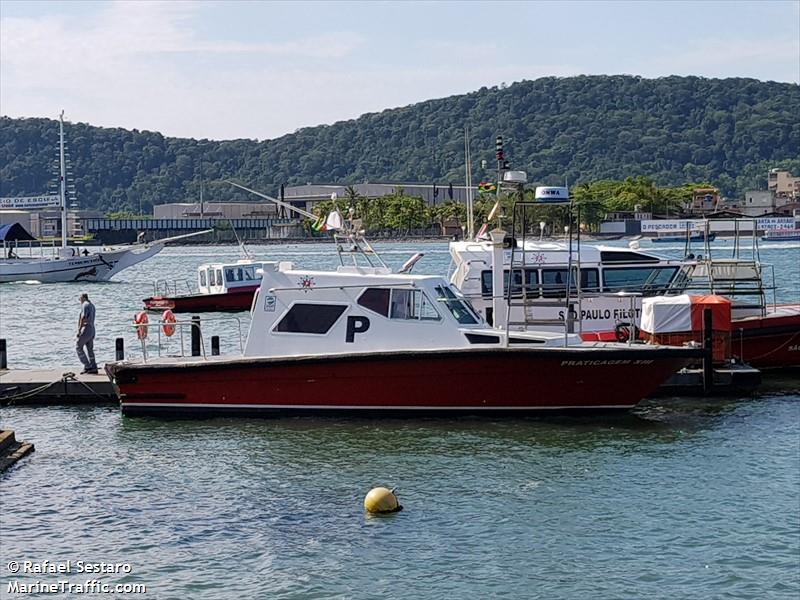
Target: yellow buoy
[(381, 500)]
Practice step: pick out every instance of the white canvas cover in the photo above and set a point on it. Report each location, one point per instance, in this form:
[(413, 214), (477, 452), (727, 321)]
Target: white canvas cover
[(667, 314)]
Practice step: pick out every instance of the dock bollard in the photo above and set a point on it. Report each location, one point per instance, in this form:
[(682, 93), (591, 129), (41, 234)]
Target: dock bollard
[(3, 354), (708, 352), (195, 335), (119, 347), (214, 345)]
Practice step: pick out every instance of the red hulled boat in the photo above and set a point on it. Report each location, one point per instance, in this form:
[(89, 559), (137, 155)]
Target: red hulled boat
[(221, 288), (367, 340)]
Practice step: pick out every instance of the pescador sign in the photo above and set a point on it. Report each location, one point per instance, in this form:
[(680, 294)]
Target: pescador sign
[(676, 225), (29, 202)]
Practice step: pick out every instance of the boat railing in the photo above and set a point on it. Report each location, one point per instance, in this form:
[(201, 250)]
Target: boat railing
[(740, 280), (165, 287), (180, 327)]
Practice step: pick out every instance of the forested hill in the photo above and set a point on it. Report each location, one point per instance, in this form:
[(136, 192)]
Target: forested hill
[(673, 129)]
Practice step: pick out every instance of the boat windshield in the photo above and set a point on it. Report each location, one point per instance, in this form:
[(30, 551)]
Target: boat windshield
[(458, 307)]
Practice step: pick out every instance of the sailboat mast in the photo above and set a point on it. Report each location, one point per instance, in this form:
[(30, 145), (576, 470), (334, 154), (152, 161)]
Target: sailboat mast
[(62, 188)]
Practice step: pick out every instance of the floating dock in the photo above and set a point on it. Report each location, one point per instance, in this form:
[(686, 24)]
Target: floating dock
[(54, 386), (727, 380), (11, 450)]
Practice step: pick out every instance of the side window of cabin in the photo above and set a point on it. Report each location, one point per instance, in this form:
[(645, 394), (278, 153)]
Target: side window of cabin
[(531, 283), (639, 279), (249, 273), (310, 318), (229, 275), (554, 282), (399, 304), (590, 280), (376, 300), (202, 279), (212, 280), (220, 281)]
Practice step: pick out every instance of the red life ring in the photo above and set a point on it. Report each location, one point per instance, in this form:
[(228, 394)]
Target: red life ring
[(141, 321), (167, 319)]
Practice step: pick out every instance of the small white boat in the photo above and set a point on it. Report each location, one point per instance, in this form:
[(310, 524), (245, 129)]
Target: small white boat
[(70, 263), (781, 235)]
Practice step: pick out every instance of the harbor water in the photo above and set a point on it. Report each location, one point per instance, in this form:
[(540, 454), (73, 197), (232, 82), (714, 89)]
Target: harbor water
[(681, 498)]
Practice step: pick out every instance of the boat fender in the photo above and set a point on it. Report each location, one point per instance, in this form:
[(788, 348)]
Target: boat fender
[(141, 320), (168, 319), (622, 331), (381, 500)]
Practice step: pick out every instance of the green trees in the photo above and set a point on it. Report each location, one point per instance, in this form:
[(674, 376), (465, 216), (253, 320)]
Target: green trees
[(585, 129)]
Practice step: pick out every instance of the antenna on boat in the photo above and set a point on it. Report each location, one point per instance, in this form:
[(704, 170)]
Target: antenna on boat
[(241, 243)]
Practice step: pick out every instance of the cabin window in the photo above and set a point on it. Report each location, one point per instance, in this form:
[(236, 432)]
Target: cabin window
[(626, 257), (641, 279), (249, 273), (376, 300), (229, 275), (554, 282), (202, 279), (220, 281), (458, 307), (531, 283), (212, 280), (411, 305), (310, 318)]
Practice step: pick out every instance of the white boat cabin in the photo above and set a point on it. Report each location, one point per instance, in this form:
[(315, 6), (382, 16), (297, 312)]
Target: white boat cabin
[(608, 275), (220, 278), (358, 309)]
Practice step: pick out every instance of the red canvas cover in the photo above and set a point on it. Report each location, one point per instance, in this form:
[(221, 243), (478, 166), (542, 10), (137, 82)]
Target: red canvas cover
[(720, 312)]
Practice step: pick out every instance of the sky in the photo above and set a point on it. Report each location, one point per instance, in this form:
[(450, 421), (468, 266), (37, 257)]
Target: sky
[(259, 70)]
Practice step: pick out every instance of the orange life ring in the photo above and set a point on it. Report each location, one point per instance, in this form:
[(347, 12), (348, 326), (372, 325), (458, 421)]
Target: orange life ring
[(168, 319), (141, 321)]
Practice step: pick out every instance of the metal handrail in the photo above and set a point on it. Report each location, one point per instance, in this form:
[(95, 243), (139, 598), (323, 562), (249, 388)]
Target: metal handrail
[(181, 325)]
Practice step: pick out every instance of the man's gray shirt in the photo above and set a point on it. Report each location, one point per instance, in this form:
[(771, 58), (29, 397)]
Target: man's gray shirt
[(87, 313)]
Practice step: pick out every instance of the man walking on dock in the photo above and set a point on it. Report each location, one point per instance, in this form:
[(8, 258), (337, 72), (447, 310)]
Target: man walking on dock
[(86, 335)]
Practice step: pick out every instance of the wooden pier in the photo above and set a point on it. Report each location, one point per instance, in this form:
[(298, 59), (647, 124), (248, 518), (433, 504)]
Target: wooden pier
[(54, 386), (11, 450)]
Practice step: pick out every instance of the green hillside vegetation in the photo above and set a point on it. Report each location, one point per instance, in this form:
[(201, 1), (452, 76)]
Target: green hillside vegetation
[(585, 130)]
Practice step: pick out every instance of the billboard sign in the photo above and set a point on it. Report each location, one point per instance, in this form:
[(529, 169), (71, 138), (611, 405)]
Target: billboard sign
[(30, 202), (775, 223), (672, 225)]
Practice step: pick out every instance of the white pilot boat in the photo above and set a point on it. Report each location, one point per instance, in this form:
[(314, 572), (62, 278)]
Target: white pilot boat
[(366, 340), (597, 290)]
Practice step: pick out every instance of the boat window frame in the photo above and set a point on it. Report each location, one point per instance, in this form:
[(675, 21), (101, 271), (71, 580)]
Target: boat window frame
[(201, 275), (420, 299), (453, 301), (293, 306), (645, 288), (532, 288)]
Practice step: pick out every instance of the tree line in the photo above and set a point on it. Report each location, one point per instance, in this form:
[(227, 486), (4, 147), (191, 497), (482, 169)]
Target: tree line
[(398, 212), (673, 130)]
